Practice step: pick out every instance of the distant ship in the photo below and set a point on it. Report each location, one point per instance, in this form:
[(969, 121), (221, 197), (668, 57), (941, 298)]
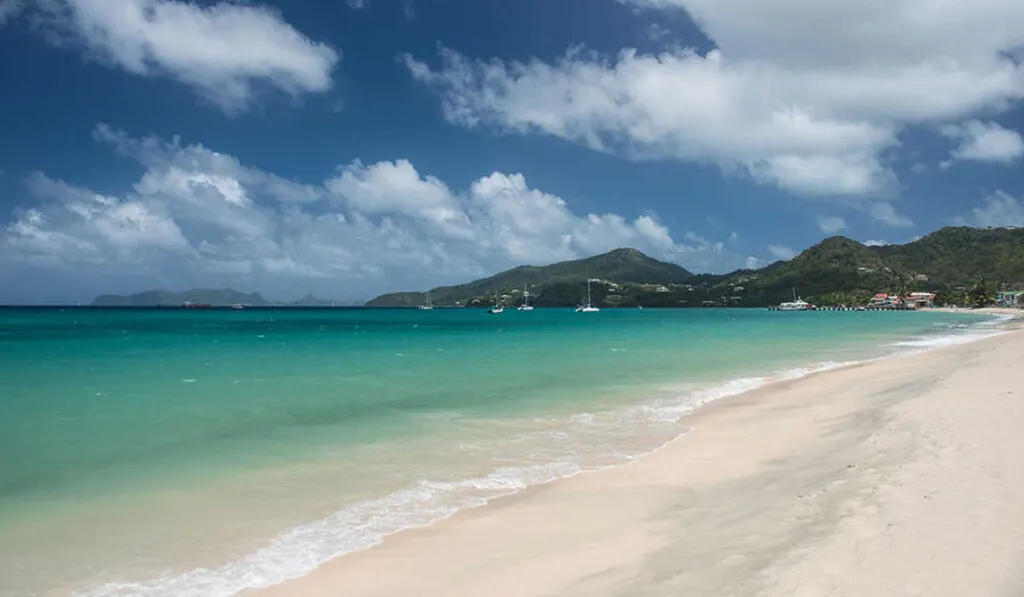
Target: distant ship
[(589, 306), (498, 306), (797, 304), (191, 305), (526, 306)]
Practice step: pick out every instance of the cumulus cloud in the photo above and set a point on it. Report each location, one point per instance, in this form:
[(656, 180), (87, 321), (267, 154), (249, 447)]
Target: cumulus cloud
[(805, 96), (199, 217), (886, 214), (831, 224), (754, 263), (985, 142), (875, 243), (225, 51), (999, 210), (781, 252)]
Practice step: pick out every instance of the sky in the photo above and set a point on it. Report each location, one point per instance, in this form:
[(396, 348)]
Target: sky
[(347, 148)]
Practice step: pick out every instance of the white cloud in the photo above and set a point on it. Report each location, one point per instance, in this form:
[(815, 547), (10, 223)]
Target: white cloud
[(919, 168), (831, 224), (1000, 210), (886, 214), (8, 9), (358, 4), (199, 217), (794, 94), (875, 243), (985, 142), (781, 252), (168, 157), (225, 50), (754, 263), (90, 226)]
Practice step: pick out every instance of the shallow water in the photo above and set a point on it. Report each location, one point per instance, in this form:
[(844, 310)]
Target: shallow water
[(168, 452)]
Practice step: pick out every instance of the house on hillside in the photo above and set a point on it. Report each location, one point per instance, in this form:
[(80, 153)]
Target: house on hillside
[(921, 278)]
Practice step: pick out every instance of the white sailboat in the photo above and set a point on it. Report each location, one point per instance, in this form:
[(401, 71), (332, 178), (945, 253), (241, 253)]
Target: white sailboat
[(428, 305), (589, 307), (498, 307), (526, 306), (797, 304)]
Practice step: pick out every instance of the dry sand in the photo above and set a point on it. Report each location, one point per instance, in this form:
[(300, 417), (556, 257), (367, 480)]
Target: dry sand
[(898, 477)]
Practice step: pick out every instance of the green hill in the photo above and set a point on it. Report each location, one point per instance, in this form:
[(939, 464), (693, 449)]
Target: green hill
[(556, 284), (836, 264), (961, 256), (837, 270)]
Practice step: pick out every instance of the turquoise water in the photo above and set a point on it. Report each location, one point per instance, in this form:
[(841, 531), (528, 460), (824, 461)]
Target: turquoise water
[(172, 452)]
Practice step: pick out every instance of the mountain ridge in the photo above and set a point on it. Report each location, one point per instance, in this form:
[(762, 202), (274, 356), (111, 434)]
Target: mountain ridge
[(217, 297), (836, 269), (558, 282)]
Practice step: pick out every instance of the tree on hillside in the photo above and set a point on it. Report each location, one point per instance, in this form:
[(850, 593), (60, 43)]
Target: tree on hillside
[(980, 295), (955, 298)]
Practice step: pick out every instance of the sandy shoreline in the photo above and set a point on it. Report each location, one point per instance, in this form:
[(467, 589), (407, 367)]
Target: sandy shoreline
[(896, 477)]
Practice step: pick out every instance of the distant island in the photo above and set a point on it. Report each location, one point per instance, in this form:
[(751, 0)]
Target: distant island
[(201, 296), (836, 271), (952, 263)]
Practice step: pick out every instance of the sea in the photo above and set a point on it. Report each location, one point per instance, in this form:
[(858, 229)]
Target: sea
[(188, 453)]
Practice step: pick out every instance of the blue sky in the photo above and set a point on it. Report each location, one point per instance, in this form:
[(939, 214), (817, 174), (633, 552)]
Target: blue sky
[(352, 147)]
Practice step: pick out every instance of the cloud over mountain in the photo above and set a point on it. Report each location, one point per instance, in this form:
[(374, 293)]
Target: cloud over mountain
[(202, 216)]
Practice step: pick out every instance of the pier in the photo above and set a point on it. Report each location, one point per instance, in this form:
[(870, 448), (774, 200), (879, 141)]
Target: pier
[(843, 308)]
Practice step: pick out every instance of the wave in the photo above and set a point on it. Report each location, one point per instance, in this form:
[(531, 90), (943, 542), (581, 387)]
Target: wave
[(365, 524), (954, 333)]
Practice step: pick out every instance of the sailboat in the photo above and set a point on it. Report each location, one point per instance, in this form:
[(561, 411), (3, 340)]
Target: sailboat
[(526, 306), (498, 307), (589, 307), (797, 304), (427, 306)]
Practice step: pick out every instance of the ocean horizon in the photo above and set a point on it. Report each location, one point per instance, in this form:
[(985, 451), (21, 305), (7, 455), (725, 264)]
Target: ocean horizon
[(172, 452)]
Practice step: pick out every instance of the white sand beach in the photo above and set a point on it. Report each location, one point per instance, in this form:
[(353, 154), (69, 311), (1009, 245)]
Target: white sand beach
[(897, 477)]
